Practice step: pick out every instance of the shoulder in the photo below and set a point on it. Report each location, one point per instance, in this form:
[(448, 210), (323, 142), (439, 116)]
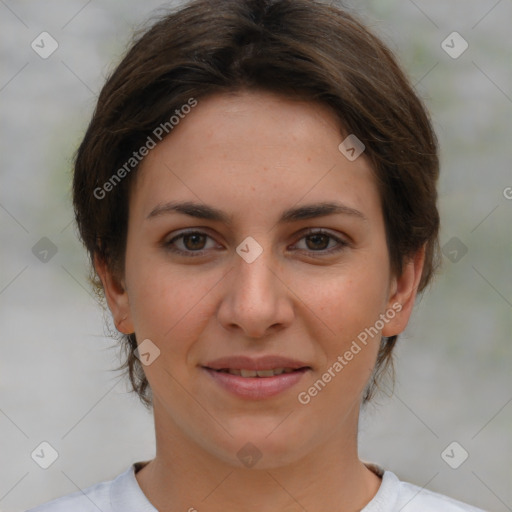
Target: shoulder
[(412, 498), (94, 498), (395, 495), (121, 494)]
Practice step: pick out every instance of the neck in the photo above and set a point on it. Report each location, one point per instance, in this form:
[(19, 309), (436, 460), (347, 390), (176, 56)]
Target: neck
[(183, 476)]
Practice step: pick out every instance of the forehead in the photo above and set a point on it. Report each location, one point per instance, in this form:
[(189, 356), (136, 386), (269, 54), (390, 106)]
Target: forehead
[(253, 150)]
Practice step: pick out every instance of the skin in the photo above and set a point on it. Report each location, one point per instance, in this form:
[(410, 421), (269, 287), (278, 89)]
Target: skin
[(253, 155)]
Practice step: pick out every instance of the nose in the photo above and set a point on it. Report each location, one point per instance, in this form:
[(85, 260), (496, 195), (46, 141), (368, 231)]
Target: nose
[(255, 297)]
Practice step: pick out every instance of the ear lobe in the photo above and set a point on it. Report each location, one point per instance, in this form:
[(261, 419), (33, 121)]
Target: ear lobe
[(116, 296), (403, 292)]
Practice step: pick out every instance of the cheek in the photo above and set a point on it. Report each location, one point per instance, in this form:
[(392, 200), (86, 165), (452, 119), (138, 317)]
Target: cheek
[(167, 302), (350, 307), (352, 301)]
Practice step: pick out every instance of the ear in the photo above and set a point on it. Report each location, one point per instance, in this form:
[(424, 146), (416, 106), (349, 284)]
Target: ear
[(403, 290), (116, 296)]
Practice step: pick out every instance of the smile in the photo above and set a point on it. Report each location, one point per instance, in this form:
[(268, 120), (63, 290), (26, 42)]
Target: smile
[(257, 373), (255, 384)]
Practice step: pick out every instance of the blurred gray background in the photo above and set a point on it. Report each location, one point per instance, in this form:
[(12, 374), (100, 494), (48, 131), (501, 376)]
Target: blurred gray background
[(454, 362)]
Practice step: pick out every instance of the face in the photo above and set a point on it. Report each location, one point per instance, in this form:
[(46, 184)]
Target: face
[(278, 260)]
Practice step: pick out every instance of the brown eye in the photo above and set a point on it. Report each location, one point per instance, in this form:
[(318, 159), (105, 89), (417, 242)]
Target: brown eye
[(322, 242), (192, 243), (318, 241)]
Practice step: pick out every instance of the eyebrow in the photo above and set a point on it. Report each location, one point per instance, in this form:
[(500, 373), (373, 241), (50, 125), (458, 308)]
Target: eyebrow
[(203, 211)]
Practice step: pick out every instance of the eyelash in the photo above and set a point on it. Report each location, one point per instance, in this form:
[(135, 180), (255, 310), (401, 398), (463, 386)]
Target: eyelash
[(342, 244)]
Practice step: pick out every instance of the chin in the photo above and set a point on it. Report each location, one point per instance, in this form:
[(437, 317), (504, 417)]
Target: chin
[(259, 447)]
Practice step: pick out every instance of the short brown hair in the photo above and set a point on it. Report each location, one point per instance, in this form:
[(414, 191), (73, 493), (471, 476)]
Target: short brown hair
[(299, 48)]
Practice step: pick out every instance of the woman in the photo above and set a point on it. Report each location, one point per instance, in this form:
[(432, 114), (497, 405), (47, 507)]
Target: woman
[(257, 193)]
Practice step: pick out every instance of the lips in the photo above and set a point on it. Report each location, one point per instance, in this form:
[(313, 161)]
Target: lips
[(257, 373), (260, 364), (256, 378)]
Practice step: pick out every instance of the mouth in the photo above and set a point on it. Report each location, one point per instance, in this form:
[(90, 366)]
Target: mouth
[(255, 379), (258, 373)]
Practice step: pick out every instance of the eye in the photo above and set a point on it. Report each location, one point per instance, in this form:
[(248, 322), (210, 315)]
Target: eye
[(195, 243), (319, 241), (190, 241)]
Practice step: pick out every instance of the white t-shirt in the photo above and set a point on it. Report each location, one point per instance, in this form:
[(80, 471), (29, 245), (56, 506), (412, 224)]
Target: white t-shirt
[(123, 494)]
